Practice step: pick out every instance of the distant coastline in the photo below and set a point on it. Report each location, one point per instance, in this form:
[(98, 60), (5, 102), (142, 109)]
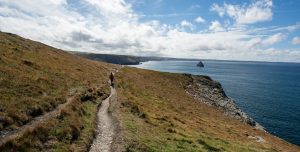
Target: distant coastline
[(126, 59), (136, 60)]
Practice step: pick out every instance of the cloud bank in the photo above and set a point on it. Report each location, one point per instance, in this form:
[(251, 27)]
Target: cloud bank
[(112, 26)]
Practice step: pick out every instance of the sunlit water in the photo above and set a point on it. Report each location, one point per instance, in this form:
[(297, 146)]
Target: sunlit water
[(268, 92)]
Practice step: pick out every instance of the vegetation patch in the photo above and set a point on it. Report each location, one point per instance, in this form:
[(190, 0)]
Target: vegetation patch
[(34, 80), (207, 146), (73, 130), (175, 121)]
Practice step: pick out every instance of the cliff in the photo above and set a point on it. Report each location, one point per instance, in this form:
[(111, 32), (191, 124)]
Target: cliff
[(210, 92)]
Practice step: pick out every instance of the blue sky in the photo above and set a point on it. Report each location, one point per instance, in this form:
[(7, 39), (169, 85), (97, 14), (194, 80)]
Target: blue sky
[(257, 30), (285, 13)]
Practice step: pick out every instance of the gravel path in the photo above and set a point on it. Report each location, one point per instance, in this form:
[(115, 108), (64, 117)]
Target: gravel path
[(105, 127)]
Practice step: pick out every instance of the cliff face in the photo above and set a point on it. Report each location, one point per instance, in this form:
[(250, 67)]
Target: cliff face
[(210, 92)]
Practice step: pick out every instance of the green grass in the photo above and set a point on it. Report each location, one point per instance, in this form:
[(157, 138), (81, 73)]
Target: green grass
[(158, 116)]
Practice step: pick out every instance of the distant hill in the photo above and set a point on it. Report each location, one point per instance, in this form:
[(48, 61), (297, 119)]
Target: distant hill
[(115, 59), (124, 59)]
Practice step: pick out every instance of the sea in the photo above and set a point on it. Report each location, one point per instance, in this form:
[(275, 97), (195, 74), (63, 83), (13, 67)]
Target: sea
[(267, 92)]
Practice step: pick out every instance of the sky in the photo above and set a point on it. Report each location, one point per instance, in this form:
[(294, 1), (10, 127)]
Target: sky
[(252, 30)]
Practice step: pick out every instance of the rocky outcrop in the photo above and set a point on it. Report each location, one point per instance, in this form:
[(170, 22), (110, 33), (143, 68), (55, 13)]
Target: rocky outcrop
[(200, 64), (206, 90)]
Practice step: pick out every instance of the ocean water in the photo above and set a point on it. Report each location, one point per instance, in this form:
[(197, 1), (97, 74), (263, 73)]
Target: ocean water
[(268, 92)]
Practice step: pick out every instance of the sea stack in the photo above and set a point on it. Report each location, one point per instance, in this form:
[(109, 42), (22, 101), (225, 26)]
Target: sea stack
[(200, 64)]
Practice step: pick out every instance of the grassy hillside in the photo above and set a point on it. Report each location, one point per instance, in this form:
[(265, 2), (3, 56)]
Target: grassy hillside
[(154, 110), (34, 80), (156, 114)]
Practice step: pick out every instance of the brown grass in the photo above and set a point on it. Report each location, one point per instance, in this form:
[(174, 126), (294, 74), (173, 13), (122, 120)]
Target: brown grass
[(157, 115), (71, 130), (155, 112), (35, 79)]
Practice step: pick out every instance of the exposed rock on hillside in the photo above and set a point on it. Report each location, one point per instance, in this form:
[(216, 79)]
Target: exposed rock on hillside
[(206, 90)]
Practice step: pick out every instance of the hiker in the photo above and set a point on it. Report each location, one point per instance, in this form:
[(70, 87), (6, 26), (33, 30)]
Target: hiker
[(111, 78)]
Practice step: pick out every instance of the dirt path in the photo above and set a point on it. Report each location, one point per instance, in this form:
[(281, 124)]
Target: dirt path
[(105, 127), (9, 136)]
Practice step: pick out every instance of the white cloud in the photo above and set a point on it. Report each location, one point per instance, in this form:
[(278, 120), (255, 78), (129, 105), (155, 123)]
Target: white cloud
[(258, 42), (216, 26), (186, 24), (220, 10), (289, 28), (199, 19), (258, 11), (278, 37), (112, 26), (115, 10), (296, 41)]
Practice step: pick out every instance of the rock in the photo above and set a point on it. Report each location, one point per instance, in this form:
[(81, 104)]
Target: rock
[(257, 139), (35, 111), (170, 130), (87, 97), (28, 63), (206, 90), (260, 139), (200, 64)]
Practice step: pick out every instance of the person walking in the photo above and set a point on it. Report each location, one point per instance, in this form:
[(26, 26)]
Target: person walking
[(111, 78)]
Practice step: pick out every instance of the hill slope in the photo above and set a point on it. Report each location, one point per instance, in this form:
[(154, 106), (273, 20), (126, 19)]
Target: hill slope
[(34, 80), (157, 113)]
